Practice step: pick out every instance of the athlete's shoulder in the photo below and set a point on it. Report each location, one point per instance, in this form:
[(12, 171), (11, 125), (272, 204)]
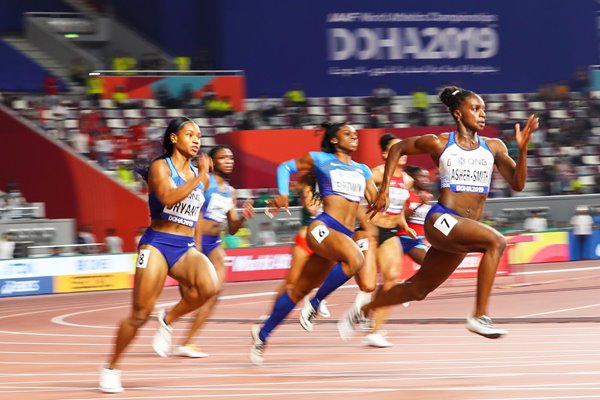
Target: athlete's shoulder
[(318, 156)]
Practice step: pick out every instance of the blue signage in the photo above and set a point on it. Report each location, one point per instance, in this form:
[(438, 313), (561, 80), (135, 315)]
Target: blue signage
[(26, 286), (347, 48)]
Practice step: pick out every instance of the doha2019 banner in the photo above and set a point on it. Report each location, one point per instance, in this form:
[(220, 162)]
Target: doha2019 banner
[(347, 47)]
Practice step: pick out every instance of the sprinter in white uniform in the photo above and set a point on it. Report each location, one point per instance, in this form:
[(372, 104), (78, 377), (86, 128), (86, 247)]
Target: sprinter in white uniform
[(465, 161)]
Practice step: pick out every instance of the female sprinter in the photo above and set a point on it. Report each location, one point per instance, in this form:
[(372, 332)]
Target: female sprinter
[(384, 253), (419, 204), (218, 208), (342, 183), (465, 161), (311, 207), (167, 247), (389, 253)]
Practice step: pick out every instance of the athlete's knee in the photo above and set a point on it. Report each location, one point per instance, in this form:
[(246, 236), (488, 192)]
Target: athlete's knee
[(368, 287), (139, 317), (498, 243)]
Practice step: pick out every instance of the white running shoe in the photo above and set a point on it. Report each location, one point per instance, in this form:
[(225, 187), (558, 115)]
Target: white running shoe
[(258, 347), (377, 339), (484, 326), (324, 310), (307, 314), (353, 317), (162, 338), (191, 351), (110, 380)]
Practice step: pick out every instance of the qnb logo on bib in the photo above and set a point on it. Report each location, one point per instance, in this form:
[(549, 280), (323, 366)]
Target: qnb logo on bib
[(349, 184)]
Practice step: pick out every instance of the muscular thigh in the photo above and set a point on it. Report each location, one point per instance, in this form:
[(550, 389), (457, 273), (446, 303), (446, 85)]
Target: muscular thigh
[(456, 234), (150, 274), (193, 268), (331, 244)]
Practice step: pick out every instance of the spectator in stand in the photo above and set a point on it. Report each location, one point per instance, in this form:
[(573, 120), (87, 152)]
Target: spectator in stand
[(295, 97), (121, 97), (14, 200), (7, 246), (86, 238), (186, 96), (581, 225), (581, 81), (51, 90), (80, 142), (550, 185), (112, 242), (420, 102), (78, 71), (374, 120), (182, 63), (163, 96), (125, 175), (103, 148), (58, 114), (95, 88), (249, 122), (267, 109), (380, 96), (208, 94), (536, 222)]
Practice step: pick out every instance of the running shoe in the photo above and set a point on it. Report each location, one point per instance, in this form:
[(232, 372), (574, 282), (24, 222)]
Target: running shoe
[(377, 339), (162, 338), (110, 380), (324, 310), (307, 313), (191, 351), (353, 317), (484, 326), (258, 347)]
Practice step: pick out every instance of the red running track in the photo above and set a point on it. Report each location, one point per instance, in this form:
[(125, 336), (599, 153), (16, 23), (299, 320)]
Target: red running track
[(52, 347)]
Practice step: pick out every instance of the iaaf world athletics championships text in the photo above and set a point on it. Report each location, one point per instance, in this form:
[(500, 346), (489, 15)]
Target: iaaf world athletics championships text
[(423, 69)]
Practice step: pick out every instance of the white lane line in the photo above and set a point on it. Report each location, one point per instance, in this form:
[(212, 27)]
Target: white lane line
[(554, 271), (560, 311)]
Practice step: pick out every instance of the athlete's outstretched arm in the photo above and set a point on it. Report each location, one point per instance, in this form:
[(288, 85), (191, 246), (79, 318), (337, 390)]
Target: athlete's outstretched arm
[(412, 145), (284, 171), (515, 173)]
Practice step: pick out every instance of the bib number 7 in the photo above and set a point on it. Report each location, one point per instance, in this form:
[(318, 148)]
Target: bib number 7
[(445, 223)]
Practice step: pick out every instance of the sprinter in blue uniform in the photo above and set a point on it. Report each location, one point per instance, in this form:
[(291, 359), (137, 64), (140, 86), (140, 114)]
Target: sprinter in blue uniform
[(342, 183), (218, 208), (176, 196), (465, 161)]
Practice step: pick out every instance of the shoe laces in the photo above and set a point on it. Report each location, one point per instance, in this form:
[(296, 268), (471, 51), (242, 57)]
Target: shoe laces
[(485, 320), (259, 347), (311, 313)]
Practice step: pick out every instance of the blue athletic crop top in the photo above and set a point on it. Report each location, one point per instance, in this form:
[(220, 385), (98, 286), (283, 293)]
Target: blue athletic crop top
[(464, 170), (218, 203), (185, 212), (336, 178)]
